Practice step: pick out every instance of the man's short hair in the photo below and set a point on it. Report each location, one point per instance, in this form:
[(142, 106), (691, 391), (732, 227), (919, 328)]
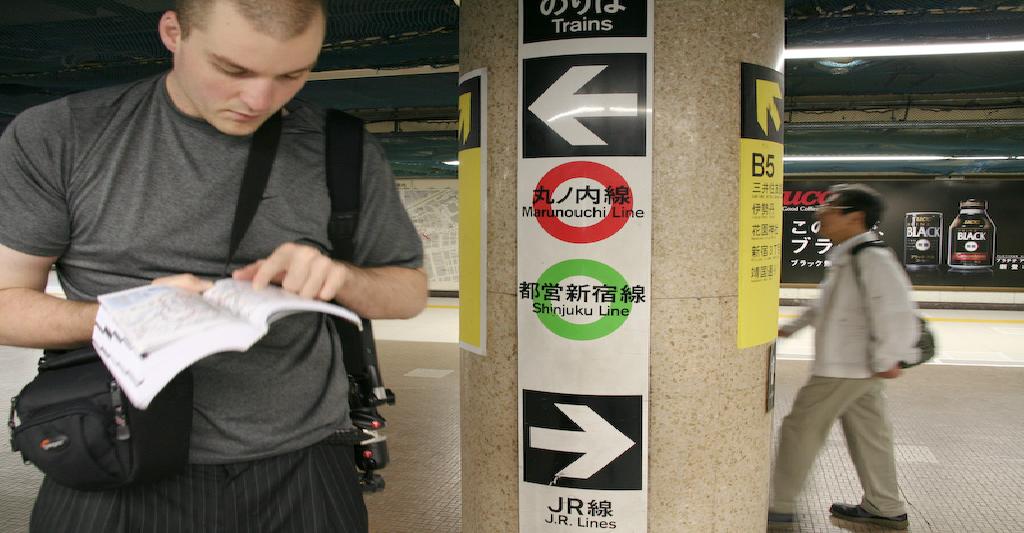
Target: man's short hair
[(853, 197), (282, 19)]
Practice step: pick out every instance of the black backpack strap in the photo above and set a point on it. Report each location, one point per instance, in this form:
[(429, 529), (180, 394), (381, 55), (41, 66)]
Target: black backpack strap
[(860, 281), (344, 150), (344, 180), (926, 341), (262, 151), (867, 244), (853, 260)]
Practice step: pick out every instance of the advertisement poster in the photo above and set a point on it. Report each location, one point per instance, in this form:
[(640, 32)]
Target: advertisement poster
[(947, 232), (584, 264)]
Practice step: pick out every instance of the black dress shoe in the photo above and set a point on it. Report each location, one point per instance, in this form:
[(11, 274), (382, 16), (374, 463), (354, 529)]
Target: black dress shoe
[(856, 513)]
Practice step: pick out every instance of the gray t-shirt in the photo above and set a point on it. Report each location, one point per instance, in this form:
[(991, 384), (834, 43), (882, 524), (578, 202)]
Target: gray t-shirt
[(124, 188)]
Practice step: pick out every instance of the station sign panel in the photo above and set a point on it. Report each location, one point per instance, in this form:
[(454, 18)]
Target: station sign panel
[(552, 20), (583, 201), (760, 204), (585, 105)]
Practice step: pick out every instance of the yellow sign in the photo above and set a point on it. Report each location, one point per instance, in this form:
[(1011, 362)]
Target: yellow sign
[(472, 212), (760, 201)]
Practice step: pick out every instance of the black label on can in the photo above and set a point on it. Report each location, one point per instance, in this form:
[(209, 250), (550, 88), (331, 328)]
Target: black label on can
[(922, 240), (971, 243)]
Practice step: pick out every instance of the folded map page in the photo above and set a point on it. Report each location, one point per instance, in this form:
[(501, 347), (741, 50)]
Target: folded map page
[(147, 335)]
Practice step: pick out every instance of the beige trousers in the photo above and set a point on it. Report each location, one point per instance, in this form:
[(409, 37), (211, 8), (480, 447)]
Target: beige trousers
[(860, 406)]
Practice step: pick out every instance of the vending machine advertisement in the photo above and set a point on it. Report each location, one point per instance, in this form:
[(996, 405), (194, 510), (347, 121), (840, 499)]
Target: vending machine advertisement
[(946, 232)]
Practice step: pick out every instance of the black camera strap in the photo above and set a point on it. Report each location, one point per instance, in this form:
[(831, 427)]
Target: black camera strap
[(262, 151)]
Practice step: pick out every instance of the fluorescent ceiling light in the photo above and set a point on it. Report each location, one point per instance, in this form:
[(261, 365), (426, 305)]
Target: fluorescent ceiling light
[(894, 157), (904, 50), (452, 163)]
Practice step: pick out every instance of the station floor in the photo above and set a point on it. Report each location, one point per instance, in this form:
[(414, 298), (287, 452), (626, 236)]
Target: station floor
[(959, 425)]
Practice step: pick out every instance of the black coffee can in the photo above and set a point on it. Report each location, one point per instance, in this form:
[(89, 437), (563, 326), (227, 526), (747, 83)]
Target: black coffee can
[(922, 241)]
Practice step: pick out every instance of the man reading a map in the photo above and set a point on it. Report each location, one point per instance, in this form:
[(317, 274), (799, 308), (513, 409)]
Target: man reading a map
[(128, 185)]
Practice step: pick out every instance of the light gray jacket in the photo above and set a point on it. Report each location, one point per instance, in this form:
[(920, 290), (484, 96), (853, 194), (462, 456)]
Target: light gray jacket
[(846, 343)]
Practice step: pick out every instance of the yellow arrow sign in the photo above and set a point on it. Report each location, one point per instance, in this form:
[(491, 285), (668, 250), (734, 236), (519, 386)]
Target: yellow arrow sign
[(767, 93), (466, 115)]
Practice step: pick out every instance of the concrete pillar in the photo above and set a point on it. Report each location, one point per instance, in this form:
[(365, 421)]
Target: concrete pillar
[(709, 437)]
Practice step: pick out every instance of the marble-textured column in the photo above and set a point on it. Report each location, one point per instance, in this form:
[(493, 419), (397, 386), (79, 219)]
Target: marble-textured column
[(489, 413)]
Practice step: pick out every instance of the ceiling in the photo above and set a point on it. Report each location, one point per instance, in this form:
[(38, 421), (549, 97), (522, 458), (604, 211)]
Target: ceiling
[(964, 105), (969, 106)]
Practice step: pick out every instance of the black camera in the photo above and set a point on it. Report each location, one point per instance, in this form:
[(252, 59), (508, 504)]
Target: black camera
[(366, 393)]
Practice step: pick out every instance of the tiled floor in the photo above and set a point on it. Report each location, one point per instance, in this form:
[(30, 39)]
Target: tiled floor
[(959, 430), (422, 492), (959, 450)]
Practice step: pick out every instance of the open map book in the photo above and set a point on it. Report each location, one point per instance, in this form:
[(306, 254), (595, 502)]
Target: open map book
[(147, 335)]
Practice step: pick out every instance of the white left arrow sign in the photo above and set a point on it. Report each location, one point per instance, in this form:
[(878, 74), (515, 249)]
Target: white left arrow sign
[(559, 106), (599, 442)]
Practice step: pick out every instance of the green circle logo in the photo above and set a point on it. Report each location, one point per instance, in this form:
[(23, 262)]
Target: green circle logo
[(617, 311)]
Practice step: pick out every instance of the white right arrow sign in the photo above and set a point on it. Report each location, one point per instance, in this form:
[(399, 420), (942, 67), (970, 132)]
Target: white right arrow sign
[(599, 442), (559, 106)]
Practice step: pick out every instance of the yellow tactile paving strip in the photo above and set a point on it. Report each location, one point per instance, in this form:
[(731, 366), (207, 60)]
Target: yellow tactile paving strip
[(963, 320)]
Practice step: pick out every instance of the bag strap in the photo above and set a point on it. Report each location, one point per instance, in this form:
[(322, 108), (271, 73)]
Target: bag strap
[(344, 138), (54, 359), (262, 150), (344, 180), (860, 281), (853, 259)]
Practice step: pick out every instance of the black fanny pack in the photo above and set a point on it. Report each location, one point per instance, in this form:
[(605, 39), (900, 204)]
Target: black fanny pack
[(73, 422)]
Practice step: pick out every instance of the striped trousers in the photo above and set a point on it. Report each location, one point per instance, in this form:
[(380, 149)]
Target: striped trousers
[(310, 490)]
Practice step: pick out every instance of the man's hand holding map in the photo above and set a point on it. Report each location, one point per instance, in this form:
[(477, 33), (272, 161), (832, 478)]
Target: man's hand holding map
[(149, 334)]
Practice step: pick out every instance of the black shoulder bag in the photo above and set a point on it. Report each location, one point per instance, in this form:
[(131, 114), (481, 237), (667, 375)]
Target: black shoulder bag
[(72, 420)]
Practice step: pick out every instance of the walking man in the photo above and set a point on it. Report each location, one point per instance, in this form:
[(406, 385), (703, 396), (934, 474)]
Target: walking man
[(865, 324)]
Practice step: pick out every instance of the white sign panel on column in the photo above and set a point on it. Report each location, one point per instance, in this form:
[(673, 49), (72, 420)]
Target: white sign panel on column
[(584, 247)]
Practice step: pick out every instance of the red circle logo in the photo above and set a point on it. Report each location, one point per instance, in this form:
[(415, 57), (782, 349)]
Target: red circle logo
[(619, 212)]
